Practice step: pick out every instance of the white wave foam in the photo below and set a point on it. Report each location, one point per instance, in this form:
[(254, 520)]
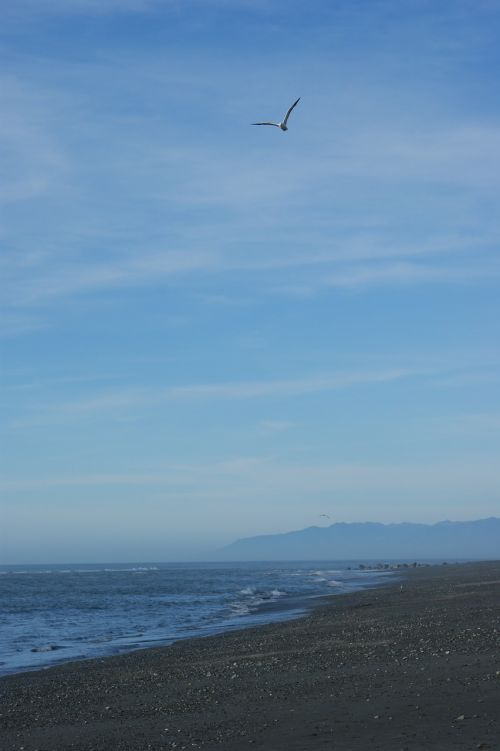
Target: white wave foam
[(324, 572), (277, 593), (38, 571), (135, 569), (254, 599), (248, 591), (240, 608)]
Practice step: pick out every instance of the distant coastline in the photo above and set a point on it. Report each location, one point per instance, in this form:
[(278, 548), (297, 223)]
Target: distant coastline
[(446, 540)]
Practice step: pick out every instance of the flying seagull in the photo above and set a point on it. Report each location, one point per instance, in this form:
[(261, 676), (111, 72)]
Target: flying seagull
[(283, 124)]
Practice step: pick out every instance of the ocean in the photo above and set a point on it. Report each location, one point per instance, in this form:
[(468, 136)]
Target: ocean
[(53, 614)]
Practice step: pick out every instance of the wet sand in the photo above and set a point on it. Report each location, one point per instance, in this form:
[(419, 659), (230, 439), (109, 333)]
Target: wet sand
[(380, 669)]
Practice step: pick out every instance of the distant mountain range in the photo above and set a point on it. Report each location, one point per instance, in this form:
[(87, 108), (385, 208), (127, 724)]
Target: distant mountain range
[(369, 540)]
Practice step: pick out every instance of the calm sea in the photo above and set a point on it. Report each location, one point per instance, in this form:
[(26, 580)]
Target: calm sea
[(50, 614)]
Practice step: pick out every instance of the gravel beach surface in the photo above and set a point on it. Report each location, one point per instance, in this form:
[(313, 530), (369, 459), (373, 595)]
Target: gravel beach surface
[(379, 669)]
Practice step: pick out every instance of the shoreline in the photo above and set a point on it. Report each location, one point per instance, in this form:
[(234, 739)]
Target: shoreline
[(243, 606), (373, 668)]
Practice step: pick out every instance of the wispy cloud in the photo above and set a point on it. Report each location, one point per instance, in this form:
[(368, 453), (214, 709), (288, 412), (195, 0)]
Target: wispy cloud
[(469, 424), (34, 160), (240, 479), (475, 377), (77, 278), (342, 265), (293, 387), (71, 7), (403, 273), (466, 154), (275, 426), (103, 7), (13, 324), (124, 400)]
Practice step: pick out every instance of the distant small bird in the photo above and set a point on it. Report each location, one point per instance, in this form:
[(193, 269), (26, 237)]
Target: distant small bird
[(283, 124), (326, 516)]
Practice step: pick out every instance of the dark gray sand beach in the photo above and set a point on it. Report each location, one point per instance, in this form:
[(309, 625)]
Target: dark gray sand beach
[(381, 669)]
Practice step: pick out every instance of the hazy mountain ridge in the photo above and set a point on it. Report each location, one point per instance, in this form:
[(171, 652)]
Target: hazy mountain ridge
[(479, 539)]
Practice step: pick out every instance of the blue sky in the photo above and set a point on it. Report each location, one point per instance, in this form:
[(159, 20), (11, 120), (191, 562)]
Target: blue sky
[(211, 330)]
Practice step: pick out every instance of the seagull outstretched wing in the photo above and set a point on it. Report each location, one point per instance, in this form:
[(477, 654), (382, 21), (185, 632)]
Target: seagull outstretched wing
[(289, 111), (276, 125)]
